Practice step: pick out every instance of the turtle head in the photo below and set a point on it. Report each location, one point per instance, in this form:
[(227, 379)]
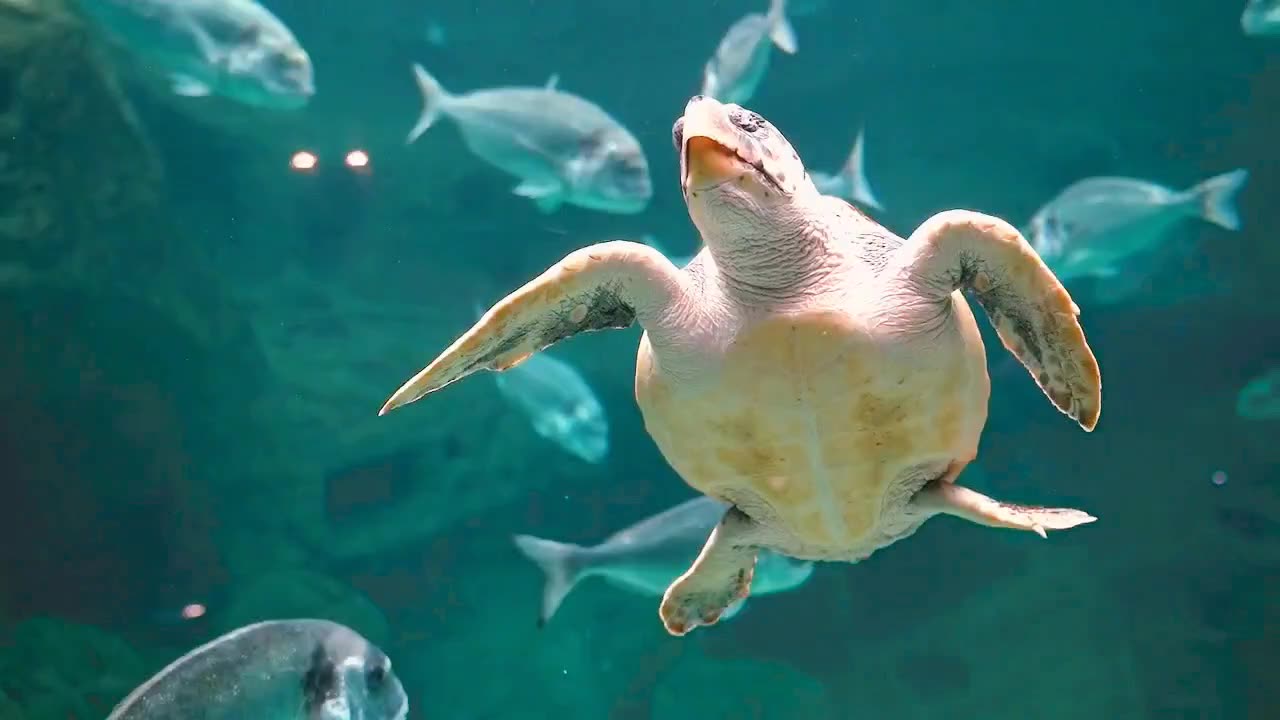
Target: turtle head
[(744, 184), (730, 155)]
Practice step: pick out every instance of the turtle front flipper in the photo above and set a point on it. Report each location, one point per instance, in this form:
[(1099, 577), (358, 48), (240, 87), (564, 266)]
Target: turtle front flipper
[(1030, 309), (604, 286), (941, 496), (719, 577)]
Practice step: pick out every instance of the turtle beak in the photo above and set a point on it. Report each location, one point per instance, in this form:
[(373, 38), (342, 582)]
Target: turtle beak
[(706, 160), (708, 163)]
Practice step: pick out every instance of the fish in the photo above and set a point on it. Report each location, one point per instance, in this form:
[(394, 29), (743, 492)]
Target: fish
[(564, 149), (677, 260), (741, 60), (648, 556), (559, 404), (1259, 399), (851, 182), (236, 49), (1261, 18), (301, 669), (1095, 225)]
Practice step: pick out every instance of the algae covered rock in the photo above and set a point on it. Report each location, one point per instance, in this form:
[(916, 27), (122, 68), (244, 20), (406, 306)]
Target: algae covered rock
[(81, 187), (54, 669)]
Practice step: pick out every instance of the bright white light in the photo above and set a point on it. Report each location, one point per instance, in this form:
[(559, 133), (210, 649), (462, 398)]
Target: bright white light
[(303, 160), (357, 159)]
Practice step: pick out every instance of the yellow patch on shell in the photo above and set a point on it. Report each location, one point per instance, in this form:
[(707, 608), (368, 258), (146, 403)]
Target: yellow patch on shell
[(814, 417)]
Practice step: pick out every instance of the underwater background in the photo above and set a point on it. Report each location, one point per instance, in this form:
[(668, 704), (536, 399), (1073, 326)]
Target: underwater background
[(198, 336)]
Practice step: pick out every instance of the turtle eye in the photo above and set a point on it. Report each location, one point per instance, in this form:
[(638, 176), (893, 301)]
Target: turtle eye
[(745, 120), (677, 133)]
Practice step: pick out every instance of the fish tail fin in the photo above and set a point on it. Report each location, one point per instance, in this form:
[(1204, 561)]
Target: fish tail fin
[(780, 30), (855, 174), (1216, 198), (433, 100), (558, 562)]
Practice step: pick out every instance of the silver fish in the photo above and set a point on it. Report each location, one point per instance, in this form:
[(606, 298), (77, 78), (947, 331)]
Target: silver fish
[(233, 48), (274, 670), (564, 149), (1261, 18), (648, 556), (734, 73), (559, 404), (1259, 399), (1096, 224), (851, 182)]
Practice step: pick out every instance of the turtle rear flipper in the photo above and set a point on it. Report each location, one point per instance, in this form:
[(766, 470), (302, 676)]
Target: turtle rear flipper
[(1030, 309), (599, 287), (951, 499), (719, 578)]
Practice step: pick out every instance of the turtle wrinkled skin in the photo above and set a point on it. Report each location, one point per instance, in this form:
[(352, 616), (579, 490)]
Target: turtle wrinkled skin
[(820, 374)]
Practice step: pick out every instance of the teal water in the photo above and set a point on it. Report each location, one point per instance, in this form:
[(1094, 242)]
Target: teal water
[(200, 338)]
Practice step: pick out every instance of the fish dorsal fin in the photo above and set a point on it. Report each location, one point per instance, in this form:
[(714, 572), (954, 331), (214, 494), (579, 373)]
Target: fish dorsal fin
[(553, 82)]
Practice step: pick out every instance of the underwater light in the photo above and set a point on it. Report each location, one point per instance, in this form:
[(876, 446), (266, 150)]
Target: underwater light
[(357, 159), (303, 161)]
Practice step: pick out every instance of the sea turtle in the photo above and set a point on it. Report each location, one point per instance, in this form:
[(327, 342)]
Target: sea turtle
[(822, 375)]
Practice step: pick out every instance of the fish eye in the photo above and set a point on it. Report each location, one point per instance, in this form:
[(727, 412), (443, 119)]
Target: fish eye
[(288, 61), (375, 677), (677, 133)]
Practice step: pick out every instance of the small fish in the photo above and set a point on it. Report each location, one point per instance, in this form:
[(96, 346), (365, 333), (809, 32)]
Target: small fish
[(1259, 399), (1096, 224), (648, 556), (559, 404), (232, 48), (1261, 18), (564, 149), (734, 73), (851, 182), (274, 670), (677, 260)]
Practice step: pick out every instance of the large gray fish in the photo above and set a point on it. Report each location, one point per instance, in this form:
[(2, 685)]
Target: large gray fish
[(564, 149), (1261, 18), (851, 181), (274, 670), (233, 48), (559, 404), (648, 556), (734, 73), (1095, 225)]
